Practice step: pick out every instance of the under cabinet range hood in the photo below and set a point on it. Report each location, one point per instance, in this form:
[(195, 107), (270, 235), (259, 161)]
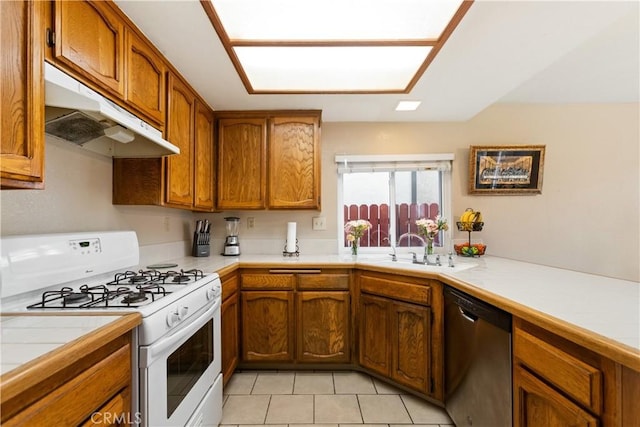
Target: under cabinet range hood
[(77, 114)]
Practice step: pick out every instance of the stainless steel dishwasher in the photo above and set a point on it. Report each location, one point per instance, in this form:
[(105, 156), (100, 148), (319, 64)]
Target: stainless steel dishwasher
[(477, 362)]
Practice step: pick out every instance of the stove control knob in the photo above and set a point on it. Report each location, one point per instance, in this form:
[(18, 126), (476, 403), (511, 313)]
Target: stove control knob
[(182, 312), (211, 294), (173, 318)]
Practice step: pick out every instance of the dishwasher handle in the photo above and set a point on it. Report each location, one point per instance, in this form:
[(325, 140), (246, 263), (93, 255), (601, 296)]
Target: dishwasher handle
[(468, 315)]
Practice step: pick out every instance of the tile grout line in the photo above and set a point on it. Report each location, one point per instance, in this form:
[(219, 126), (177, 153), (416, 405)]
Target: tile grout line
[(407, 409)]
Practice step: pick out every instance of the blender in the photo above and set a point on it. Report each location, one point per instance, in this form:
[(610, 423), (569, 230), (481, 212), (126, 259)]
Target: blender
[(231, 246)]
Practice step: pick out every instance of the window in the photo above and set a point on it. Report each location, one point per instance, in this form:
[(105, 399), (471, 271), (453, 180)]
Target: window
[(392, 192)]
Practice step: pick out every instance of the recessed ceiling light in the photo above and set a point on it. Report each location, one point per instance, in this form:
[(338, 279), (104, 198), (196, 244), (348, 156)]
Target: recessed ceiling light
[(333, 46), (408, 105)]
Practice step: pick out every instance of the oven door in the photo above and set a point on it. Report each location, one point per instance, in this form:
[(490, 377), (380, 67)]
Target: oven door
[(179, 371)]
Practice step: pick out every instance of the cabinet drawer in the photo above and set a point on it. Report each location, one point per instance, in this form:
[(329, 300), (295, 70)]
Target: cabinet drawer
[(229, 286), (577, 379), (420, 294), (323, 281), (268, 281)]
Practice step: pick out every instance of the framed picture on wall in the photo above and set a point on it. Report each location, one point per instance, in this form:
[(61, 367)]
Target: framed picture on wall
[(506, 169)]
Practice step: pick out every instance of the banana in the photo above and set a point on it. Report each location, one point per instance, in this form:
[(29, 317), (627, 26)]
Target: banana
[(477, 216), (467, 215)]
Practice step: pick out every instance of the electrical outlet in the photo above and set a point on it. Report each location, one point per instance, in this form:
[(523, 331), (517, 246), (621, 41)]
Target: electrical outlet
[(251, 222), (167, 223), (319, 223)]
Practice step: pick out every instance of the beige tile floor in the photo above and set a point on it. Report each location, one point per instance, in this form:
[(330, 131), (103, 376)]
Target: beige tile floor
[(323, 399)]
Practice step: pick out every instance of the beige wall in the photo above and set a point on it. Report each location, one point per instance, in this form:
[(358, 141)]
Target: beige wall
[(587, 217)]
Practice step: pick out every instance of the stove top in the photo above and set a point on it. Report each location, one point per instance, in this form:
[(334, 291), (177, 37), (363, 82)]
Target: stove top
[(128, 289)]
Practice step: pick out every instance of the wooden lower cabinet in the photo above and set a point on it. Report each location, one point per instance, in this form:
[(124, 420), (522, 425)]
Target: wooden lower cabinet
[(411, 345), (374, 334), (540, 405), (268, 326), (395, 341), (97, 391), (558, 383), (400, 331), (229, 313), (323, 331)]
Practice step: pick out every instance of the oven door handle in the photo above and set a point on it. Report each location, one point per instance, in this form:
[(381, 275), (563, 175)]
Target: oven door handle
[(148, 354)]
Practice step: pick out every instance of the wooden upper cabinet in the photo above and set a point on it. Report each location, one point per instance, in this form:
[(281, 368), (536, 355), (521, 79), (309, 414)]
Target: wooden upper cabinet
[(242, 146), (22, 94), (89, 39), (294, 163), (204, 161), (145, 83), (180, 132)]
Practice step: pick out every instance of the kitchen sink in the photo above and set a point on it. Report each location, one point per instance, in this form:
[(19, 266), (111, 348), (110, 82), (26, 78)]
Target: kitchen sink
[(407, 264)]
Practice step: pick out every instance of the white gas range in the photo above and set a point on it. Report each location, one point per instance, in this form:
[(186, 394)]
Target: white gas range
[(178, 381)]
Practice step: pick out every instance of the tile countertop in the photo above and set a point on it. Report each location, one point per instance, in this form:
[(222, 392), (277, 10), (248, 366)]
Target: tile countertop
[(29, 338), (599, 312)]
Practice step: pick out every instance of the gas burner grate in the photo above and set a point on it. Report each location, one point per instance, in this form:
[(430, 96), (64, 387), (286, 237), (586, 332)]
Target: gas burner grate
[(182, 276), (135, 277)]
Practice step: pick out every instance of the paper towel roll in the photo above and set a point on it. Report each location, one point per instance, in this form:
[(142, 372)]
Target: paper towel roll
[(291, 237)]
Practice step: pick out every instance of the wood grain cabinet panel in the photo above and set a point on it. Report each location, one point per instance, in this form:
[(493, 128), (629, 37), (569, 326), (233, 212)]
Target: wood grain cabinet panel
[(242, 154), (22, 94), (180, 132), (538, 405), (229, 313), (146, 79), (323, 326), (103, 386), (267, 326), (294, 163), (401, 331), (89, 39), (411, 345), (204, 159), (375, 351)]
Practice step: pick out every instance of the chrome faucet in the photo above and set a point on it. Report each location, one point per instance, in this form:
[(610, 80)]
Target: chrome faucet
[(425, 259), (451, 260), (393, 255)]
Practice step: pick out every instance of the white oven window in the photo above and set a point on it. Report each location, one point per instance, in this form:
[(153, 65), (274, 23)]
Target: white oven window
[(187, 364)]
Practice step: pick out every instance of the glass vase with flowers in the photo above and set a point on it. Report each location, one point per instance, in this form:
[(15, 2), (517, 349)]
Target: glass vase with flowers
[(355, 230), (429, 228)]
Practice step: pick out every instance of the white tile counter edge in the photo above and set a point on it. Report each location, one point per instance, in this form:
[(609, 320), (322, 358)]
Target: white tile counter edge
[(605, 306)]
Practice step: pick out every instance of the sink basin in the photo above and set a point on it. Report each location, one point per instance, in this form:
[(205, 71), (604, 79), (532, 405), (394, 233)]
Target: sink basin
[(403, 263)]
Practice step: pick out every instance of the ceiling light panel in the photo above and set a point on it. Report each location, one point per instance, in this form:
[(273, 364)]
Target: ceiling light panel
[(335, 19), (333, 46), (330, 69)]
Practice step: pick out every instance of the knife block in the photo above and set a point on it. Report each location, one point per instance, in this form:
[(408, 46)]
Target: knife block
[(200, 248)]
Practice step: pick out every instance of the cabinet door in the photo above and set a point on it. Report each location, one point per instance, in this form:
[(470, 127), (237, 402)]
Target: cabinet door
[(294, 163), (538, 405), (146, 74), (267, 326), (90, 40), (411, 345), (179, 190), (204, 159), (242, 146), (374, 334), (323, 326), (229, 317), (22, 94)]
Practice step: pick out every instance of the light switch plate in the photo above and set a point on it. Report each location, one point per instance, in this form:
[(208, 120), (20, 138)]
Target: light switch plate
[(319, 223)]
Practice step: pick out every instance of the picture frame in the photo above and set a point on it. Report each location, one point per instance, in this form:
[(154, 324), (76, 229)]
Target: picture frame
[(506, 169)]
